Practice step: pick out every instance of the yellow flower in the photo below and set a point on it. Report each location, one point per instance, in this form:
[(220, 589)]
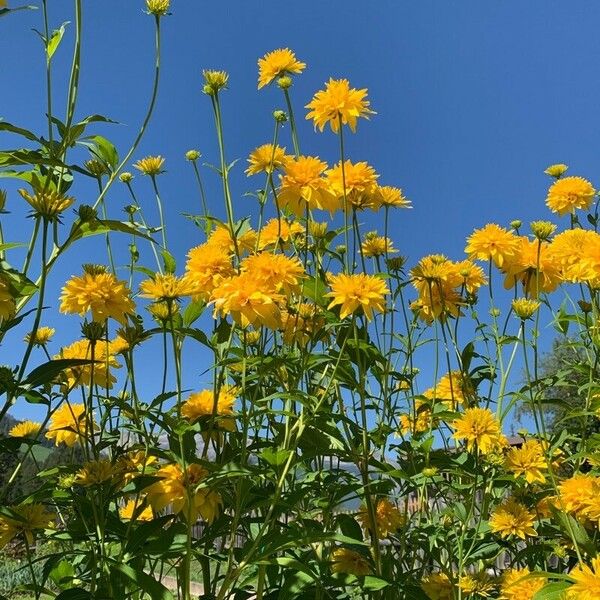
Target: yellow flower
[(492, 242), (556, 170), (528, 461), (419, 423), (204, 403), (479, 428), (512, 518), (472, 275), (100, 369), (266, 159), (276, 63), (134, 463), (438, 586), (26, 429), (358, 291), (576, 493), (570, 193), (99, 292), (479, 584), (32, 517), (303, 186), (377, 245), (42, 336), (525, 308), (277, 272), (95, 472), (7, 302), (388, 519), (516, 587), (338, 103), (167, 287), (68, 424), (392, 197), (214, 81), (150, 165), (301, 323), (534, 266), (344, 560), (249, 301), (221, 238), (357, 181), (206, 267), (135, 511), (174, 488), (586, 579), (48, 204), (576, 253), (163, 311), (279, 232), (451, 389), (158, 8)]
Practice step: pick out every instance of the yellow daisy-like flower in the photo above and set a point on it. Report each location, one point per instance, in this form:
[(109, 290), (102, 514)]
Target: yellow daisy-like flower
[(451, 389), (158, 8), (221, 238), (136, 511), (150, 165), (528, 461), (388, 519), (163, 311), (25, 429), (277, 271), (357, 291), (95, 472), (167, 287), (301, 323), (516, 587), (419, 423), (576, 253), (525, 308), (134, 463), (249, 301), (48, 204), (174, 488), (32, 517), (392, 197), (214, 81), (266, 159), (204, 403), (576, 493), (586, 580), (438, 586), (207, 265), (338, 103), (377, 245), (570, 193), (556, 170), (478, 584), (344, 560), (303, 186), (279, 232), (479, 428), (492, 242), (42, 336), (276, 63), (99, 292), (104, 361), (357, 182), (68, 424), (512, 518)]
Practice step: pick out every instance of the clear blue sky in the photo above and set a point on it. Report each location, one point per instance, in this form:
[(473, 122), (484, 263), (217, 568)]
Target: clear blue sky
[(474, 100)]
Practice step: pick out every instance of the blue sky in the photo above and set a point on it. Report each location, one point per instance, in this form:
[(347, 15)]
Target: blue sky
[(474, 99)]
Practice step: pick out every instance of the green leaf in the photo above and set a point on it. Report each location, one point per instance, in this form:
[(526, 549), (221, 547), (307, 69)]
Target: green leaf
[(552, 591), (48, 371), (275, 457), (4, 126), (11, 245), (374, 583), (103, 149), (169, 261), (81, 230), (54, 41), (145, 582), (5, 11), (193, 312)]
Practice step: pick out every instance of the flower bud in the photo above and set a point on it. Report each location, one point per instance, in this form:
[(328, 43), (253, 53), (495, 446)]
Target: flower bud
[(126, 177), (516, 224), (96, 167), (285, 82), (158, 8), (87, 213), (586, 307), (542, 229), (556, 170), (525, 308), (214, 81), (395, 263), (280, 116), (192, 155), (93, 331)]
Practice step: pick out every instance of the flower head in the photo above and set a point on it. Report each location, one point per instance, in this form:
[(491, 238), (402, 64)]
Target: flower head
[(136, 511), (517, 586), (266, 159), (99, 292), (570, 193), (48, 204), (525, 308), (277, 63), (167, 287), (338, 103), (438, 586), (392, 197), (206, 267), (388, 519), (158, 8), (41, 336), (556, 170), (492, 242), (586, 579), (276, 271), (479, 428), (104, 361), (206, 404), (344, 560), (68, 424), (528, 461), (377, 245), (95, 472), (150, 165), (512, 518), (357, 291), (356, 182), (214, 81), (26, 429), (31, 517), (192, 155), (279, 232)]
